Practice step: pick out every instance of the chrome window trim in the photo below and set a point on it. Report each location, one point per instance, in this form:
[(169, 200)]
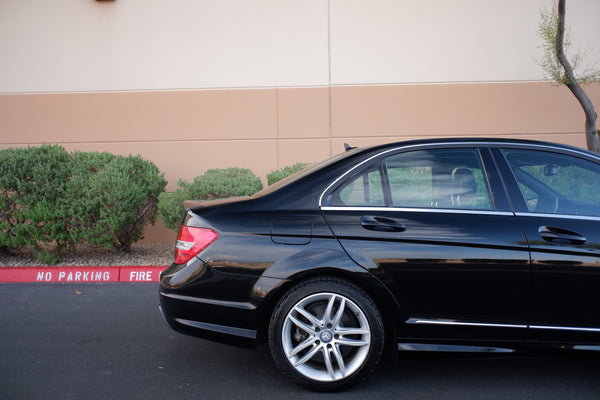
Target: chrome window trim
[(426, 321), (414, 209), (508, 144), (540, 146), (561, 216)]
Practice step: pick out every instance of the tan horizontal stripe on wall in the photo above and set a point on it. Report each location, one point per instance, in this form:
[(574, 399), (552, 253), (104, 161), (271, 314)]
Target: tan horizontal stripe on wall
[(457, 110)]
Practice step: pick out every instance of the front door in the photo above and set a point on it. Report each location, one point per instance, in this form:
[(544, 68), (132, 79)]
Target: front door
[(560, 213)]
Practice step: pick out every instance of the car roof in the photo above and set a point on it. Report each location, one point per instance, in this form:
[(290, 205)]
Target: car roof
[(471, 140)]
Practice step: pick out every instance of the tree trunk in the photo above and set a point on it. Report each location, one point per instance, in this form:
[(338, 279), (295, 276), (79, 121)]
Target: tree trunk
[(569, 80)]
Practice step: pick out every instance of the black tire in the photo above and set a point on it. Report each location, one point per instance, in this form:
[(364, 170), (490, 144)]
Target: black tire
[(326, 334)]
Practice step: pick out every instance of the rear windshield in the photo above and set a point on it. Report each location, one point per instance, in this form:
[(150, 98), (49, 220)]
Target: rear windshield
[(306, 171)]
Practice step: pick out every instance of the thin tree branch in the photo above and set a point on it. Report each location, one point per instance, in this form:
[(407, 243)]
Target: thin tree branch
[(571, 82)]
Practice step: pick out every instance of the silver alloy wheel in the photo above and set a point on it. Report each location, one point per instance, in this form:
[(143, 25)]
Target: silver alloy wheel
[(326, 337)]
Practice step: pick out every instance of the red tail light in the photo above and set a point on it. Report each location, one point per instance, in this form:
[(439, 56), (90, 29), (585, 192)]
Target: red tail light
[(191, 241)]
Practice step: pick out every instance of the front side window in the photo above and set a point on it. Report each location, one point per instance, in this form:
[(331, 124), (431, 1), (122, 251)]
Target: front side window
[(556, 183)]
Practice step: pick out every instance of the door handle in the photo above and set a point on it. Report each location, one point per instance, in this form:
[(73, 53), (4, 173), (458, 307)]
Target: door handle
[(381, 224), (559, 235)]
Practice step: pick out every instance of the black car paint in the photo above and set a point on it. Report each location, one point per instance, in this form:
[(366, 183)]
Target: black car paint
[(468, 271), (565, 274)]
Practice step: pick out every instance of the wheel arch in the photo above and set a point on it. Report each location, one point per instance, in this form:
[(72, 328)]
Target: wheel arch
[(383, 298)]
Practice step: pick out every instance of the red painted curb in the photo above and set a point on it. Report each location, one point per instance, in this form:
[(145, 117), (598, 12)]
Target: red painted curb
[(81, 274)]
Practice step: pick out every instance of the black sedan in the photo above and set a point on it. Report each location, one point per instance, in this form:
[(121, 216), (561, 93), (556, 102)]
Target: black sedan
[(449, 244)]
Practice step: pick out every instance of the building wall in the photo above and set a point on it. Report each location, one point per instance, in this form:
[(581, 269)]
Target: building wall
[(87, 45), (197, 84)]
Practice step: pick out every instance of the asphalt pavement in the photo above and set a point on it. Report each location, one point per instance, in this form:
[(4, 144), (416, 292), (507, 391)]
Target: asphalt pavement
[(108, 341)]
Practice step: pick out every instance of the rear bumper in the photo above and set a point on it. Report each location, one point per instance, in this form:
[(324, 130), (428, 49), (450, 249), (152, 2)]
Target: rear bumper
[(199, 300), (203, 318)]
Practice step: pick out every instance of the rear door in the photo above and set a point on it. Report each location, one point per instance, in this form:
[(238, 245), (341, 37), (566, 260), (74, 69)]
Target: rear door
[(557, 196), (435, 224)]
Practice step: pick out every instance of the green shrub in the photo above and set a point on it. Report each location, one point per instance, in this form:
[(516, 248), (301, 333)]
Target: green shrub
[(276, 176), (113, 198), (33, 206), (214, 184), (52, 200)]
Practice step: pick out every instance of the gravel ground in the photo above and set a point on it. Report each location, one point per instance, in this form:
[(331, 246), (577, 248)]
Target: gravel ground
[(86, 255)]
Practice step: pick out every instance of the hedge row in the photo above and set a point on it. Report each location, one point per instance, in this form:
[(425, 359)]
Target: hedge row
[(52, 200)]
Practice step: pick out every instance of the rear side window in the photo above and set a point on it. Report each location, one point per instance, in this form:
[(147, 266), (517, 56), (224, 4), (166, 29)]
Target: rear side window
[(366, 189), (440, 178), (556, 183)]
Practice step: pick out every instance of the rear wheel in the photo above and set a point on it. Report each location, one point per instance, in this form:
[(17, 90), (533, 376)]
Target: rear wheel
[(326, 334)]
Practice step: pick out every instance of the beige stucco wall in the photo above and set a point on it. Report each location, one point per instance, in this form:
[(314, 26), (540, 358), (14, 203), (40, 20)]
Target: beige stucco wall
[(87, 45)]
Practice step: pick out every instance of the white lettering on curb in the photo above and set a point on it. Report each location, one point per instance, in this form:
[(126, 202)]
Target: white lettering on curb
[(44, 277), (140, 276), (77, 276)]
